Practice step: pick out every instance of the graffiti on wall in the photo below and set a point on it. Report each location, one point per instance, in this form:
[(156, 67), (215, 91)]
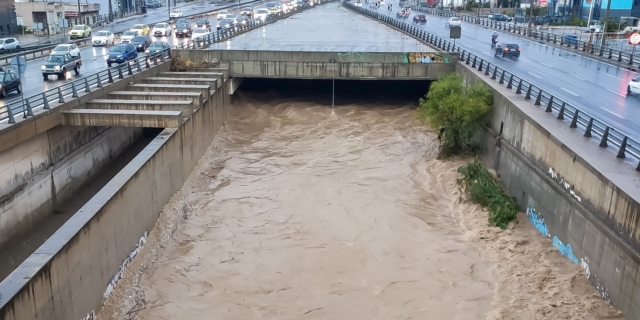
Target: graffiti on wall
[(566, 185), (538, 221), (125, 263), (565, 249), (371, 57), (427, 57)]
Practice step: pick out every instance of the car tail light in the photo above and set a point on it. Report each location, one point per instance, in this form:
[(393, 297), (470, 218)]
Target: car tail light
[(506, 49), (518, 49)]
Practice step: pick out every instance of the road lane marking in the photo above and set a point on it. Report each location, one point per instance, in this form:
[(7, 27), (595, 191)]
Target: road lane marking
[(613, 113), (615, 92), (544, 64), (583, 79), (569, 92), (535, 75), (468, 46)]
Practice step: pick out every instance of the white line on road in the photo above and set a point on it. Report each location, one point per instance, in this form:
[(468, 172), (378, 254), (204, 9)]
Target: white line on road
[(544, 64), (468, 46), (569, 92), (615, 92), (583, 79), (487, 53), (613, 113), (533, 74)]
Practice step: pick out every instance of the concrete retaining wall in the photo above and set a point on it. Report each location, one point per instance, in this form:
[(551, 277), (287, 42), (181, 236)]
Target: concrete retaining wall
[(317, 65), (579, 195), (42, 163), (67, 277)]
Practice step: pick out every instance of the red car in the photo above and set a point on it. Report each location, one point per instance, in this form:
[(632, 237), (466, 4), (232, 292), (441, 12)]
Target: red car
[(420, 18)]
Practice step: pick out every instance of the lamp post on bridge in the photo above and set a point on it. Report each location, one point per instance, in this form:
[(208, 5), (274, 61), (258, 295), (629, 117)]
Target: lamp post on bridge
[(333, 84)]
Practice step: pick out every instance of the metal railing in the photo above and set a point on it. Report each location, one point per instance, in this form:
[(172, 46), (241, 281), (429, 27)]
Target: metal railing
[(591, 48), (577, 118), (72, 89), (40, 51)]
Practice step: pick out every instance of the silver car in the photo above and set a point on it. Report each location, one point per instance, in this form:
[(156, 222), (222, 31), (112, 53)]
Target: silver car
[(453, 22)]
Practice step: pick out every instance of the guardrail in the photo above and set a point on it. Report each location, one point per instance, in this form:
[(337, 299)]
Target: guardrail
[(562, 40), (31, 54), (44, 100), (577, 118)]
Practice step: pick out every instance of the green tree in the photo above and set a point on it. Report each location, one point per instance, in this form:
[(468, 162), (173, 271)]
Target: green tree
[(456, 111)]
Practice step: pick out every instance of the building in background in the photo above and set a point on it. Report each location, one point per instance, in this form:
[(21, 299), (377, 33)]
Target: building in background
[(8, 18), (48, 17)]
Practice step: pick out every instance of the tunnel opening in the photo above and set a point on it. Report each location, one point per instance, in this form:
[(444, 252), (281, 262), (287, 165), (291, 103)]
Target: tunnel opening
[(343, 91), (17, 250)]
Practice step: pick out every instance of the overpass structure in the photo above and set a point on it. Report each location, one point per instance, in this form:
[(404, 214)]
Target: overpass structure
[(589, 212)]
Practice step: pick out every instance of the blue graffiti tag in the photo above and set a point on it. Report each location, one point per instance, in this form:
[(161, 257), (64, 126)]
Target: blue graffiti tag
[(538, 221), (565, 250)]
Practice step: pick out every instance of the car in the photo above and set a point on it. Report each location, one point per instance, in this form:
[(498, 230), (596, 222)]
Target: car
[(203, 23), (262, 15), (9, 81), (247, 11), (183, 30), (199, 32), (226, 24), (381, 1), (222, 14), (59, 64), (420, 18), (373, 4), (507, 50), (453, 22), (80, 31), (490, 15), (141, 43), (358, 3), (300, 3), (243, 20), (159, 46), (71, 49), (128, 35), (180, 21), (230, 16), (633, 86), (9, 44), (142, 29), (175, 13), (272, 8), (102, 38), (121, 53), (162, 29), (501, 17)]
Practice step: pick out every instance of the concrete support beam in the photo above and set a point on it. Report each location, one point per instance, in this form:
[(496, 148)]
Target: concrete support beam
[(234, 84), (122, 118), (194, 97), (206, 90), (184, 106), (213, 82), (212, 75)]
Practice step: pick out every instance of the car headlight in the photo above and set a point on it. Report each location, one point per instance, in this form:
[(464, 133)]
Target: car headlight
[(43, 68), (56, 68), (185, 30), (147, 51)]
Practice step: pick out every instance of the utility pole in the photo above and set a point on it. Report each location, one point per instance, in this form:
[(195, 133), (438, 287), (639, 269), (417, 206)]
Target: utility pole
[(606, 22), (110, 11), (530, 14), (79, 13)]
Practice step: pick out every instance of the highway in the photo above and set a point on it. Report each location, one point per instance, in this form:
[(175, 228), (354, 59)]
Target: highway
[(94, 58), (595, 87)]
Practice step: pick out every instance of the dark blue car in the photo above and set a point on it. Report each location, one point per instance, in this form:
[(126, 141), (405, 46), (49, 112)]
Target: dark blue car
[(121, 53)]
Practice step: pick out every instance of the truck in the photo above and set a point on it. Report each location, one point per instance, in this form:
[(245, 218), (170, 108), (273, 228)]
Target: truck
[(59, 64)]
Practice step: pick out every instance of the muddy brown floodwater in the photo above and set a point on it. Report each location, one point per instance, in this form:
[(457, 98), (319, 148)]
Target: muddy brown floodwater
[(301, 211)]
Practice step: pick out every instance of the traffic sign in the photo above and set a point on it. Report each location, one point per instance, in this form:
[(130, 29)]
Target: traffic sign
[(19, 63), (634, 39), (390, 7)]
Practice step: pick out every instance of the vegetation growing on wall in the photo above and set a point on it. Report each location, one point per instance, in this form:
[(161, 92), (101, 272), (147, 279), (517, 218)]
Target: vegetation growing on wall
[(484, 189), (185, 64), (457, 111)]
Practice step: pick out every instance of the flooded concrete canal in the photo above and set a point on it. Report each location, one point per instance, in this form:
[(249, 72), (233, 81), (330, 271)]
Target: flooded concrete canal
[(303, 211)]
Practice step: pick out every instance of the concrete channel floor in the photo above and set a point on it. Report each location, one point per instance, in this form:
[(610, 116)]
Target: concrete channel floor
[(329, 27)]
